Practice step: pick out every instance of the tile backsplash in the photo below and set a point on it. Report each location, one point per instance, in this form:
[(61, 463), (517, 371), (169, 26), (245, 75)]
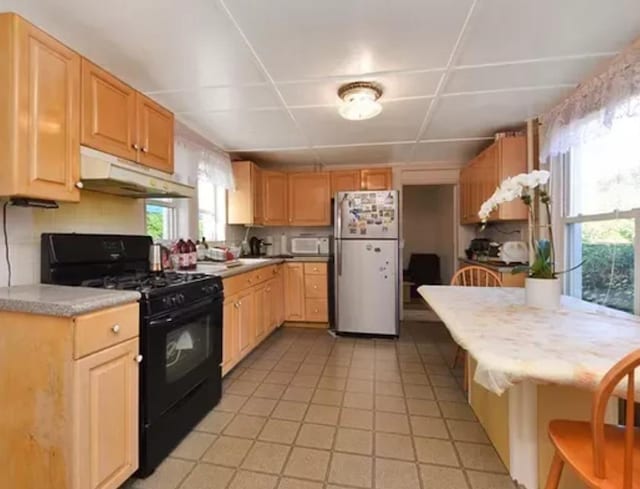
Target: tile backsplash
[(95, 213)]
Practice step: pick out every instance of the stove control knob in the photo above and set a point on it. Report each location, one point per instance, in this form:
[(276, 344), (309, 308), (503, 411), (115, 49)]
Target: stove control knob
[(166, 302), (180, 298)]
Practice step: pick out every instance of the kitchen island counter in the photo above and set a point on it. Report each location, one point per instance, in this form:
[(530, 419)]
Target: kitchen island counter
[(531, 365)]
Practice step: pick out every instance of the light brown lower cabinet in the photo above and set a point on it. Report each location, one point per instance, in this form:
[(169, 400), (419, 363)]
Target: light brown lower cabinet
[(258, 302), (106, 422), (69, 410)]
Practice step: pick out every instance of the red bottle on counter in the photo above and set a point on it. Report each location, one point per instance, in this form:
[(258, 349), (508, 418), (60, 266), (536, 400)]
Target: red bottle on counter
[(183, 255), (193, 254)]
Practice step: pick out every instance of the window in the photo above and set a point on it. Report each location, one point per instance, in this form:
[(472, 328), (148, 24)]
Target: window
[(602, 217), (211, 208), (161, 219)]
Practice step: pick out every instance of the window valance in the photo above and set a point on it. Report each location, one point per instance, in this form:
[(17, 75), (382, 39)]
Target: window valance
[(593, 108)]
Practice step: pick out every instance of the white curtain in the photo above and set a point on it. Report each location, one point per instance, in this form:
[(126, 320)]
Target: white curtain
[(594, 107)]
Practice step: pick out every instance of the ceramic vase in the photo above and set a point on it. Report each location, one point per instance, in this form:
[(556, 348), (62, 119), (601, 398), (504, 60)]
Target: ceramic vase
[(543, 293)]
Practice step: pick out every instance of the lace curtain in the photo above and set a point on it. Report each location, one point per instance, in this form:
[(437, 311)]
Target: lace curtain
[(595, 106), (197, 158)]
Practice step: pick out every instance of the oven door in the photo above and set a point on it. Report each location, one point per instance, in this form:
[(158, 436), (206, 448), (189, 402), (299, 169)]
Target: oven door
[(182, 350)]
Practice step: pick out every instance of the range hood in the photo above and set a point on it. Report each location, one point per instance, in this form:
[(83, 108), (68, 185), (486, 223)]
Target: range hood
[(109, 174)]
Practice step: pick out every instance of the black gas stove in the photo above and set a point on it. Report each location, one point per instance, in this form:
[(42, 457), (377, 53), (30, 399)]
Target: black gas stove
[(180, 330)]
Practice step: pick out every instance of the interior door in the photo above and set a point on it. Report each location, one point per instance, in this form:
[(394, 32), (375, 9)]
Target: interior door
[(367, 286)]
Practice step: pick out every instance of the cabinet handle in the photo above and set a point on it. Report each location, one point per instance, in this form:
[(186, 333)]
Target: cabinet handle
[(144, 149), (315, 286), (137, 358), (268, 289), (115, 328), (79, 185), (135, 146)]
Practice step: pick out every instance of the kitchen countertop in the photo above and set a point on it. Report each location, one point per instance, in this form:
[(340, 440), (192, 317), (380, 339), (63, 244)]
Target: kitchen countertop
[(575, 345), (60, 300), (496, 267), (221, 270)]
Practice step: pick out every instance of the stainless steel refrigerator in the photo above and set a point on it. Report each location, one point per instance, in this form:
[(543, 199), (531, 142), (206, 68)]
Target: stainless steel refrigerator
[(366, 262)]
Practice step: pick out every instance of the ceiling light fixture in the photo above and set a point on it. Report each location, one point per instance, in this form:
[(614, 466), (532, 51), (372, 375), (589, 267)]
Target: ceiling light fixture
[(359, 100)]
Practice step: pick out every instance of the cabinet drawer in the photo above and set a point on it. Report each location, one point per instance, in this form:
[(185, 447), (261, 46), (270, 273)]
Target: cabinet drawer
[(101, 329), (314, 268), (316, 310), (315, 286), (263, 274)]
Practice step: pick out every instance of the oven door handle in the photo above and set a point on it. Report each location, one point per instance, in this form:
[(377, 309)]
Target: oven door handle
[(200, 309)]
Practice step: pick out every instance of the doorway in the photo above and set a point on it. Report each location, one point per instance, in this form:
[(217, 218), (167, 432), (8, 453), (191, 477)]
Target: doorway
[(428, 254)]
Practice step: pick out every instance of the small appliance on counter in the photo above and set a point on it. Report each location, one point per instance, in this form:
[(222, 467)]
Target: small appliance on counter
[(310, 245), (514, 252), (482, 249)]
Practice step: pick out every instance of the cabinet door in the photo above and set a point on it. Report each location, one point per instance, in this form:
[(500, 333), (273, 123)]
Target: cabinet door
[(105, 420), (261, 316), (274, 186), (246, 321), (240, 200), (309, 199), (278, 296), (40, 85), (258, 194), (108, 113), (230, 339), (345, 181), (511, 159), (376, 179), (294, 291), (155, 134)]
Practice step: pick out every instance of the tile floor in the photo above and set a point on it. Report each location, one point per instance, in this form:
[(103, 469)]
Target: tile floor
[(308, 411)]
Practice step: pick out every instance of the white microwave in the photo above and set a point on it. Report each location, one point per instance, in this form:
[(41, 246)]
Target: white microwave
[(310, 246)]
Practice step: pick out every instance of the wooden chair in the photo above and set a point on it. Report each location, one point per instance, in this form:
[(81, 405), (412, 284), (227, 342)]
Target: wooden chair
[(475, 276), (472, 276), (602, 455)]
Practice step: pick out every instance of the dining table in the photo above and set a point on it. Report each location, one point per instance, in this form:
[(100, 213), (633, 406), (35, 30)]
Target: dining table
[(530, 365)]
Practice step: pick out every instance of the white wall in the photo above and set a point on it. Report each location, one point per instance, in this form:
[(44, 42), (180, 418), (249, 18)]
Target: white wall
[(428, 224), (96, 213)]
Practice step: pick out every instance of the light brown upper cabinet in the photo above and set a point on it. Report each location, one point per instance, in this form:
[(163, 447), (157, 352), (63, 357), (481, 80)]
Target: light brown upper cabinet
[(244, 204), (345, 181), (506, 157), (376, 179), (309, 199), (108, 113), (155, 134), (40, 104), (274, 197), (119, 120)]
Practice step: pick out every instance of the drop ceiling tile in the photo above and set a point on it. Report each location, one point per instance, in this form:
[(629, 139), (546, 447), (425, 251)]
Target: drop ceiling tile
[(559, 72), (450, 151), (152, 44), (238, 130), (394, 85), (482, 114), (398, 121), (297, 157), (308, 38), (218, 98), (507, 30), (365, 155)]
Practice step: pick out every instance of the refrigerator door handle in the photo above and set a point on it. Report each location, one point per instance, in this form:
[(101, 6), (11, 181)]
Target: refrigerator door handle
[(339, 234)]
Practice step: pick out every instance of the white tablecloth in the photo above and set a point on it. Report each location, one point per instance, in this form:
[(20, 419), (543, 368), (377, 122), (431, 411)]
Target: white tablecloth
[(575, 345)]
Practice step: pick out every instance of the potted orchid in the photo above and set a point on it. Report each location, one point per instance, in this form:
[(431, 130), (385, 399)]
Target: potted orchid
[(542, 286)]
